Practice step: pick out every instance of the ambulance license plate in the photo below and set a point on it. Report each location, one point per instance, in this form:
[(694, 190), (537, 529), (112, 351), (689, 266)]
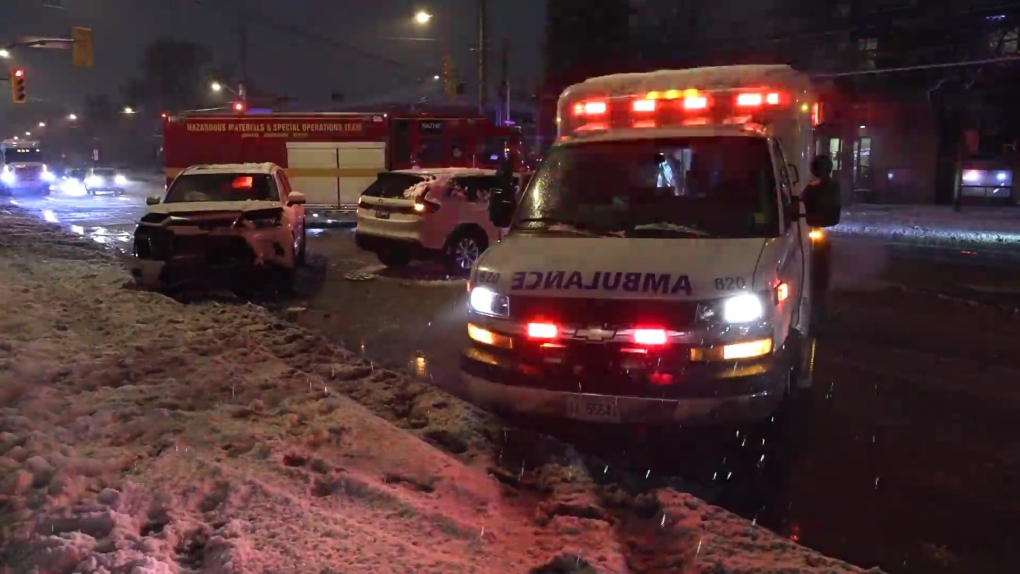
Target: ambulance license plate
[(593, 408), (380, 214)]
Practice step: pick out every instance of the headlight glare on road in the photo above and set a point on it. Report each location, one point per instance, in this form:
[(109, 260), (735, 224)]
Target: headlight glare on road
[(485, 301), (743, 308)]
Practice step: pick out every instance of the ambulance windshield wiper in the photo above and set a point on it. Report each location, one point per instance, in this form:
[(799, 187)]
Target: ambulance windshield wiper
[(663, 226), (563, 224)]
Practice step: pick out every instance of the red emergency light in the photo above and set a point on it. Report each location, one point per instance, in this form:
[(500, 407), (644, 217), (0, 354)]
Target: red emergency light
[(591, 108), (238, 106), (757, 100)]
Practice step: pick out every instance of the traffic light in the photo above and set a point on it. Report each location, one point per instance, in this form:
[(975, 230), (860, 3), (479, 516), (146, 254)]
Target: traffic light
[(18, 95), (238, 107), (81, 49)]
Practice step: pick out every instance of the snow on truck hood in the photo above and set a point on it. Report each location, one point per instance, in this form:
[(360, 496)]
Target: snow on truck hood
[(211, 206), (614, 268)]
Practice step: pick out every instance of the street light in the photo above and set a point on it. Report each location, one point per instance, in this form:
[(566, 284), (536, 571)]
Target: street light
[(72, 117), (42, 124), (436, 77), (421, 17), (216, 87), (129, 110), (28, 134), (5, 53)]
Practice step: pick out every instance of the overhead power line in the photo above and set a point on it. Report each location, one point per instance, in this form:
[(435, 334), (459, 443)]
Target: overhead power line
[(298, 33)]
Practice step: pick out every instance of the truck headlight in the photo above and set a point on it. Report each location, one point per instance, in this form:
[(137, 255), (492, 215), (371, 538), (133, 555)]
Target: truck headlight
[(743, 308), (485, 301), (48, 176), (119, 179)]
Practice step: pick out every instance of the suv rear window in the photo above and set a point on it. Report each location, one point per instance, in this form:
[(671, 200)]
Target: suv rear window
[(392, 185)]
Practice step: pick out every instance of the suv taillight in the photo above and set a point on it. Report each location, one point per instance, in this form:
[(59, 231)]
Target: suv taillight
[(425, 206)]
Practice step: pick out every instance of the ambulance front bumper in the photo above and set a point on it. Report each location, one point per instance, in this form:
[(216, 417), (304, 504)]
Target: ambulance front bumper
[(702, 395)]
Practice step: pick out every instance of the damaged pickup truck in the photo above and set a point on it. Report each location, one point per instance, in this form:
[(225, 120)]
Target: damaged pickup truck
[(222, 225)]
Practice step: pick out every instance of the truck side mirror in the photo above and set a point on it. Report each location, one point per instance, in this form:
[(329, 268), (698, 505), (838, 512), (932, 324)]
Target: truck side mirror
[(152, 200), (501, 206)]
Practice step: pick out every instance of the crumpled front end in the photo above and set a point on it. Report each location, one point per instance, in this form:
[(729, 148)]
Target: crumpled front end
[(210, 248)]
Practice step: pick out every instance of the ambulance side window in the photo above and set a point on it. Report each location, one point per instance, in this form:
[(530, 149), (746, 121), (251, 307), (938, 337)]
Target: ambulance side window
[(785, 187)]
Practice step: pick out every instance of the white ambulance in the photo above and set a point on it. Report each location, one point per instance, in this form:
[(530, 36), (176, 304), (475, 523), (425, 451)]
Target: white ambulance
[(656, 267)]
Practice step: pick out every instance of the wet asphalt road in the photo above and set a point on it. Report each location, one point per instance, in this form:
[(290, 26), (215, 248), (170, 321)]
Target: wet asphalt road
[(907, 460)]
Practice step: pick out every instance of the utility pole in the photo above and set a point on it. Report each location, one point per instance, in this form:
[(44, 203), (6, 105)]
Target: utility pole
[(483, 38), (242, 25), (504, 82)]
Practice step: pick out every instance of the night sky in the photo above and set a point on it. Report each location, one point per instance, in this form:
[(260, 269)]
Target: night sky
[(304, 69)]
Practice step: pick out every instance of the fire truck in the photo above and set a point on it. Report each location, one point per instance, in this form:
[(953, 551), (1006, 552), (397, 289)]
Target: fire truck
[(332, 157)]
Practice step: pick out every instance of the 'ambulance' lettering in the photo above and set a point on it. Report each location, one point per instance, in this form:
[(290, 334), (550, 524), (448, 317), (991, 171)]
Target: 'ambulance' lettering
[(656, 283)]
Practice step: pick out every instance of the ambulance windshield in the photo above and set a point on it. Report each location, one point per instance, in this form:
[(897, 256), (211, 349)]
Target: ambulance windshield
[(678, 187)]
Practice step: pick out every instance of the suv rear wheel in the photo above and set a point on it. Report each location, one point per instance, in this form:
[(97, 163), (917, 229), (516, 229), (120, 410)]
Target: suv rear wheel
[(463, 249)]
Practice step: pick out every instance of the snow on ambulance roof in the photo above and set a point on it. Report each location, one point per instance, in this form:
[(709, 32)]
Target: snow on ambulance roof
[(707, 78), (245, 168), (622, 134)]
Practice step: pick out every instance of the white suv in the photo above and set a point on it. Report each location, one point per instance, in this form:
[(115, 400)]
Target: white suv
[(221, 222), (428, 214)]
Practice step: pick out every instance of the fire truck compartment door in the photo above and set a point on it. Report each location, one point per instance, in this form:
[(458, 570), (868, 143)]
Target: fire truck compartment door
[(334, 173), (360, 164)]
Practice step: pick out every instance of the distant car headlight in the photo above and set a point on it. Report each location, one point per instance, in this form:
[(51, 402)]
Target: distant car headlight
[(93, 180), (485, 301), (48, 176), (7, 177), (119, 179), (738, 309)]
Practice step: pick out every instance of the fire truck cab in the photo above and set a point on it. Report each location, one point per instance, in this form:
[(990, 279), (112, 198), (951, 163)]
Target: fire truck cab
[(655, 268)]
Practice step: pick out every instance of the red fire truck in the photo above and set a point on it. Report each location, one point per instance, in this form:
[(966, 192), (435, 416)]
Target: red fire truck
[(333, 157)]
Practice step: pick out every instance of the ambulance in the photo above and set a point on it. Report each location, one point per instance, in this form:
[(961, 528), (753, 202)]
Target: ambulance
[(656, 267)]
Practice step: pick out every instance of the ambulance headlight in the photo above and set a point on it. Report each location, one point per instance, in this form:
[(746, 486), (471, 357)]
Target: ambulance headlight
[(738, 309), (485, 301)]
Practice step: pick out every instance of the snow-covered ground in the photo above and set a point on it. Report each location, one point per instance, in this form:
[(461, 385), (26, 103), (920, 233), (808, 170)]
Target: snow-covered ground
[(995, 227), (142, 435)]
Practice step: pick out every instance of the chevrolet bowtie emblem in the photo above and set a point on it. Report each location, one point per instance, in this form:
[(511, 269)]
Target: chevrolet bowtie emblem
[(595, 334)]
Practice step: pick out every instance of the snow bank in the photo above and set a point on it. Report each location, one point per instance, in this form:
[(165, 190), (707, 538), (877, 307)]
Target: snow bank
[(142, 435), (934, 225)]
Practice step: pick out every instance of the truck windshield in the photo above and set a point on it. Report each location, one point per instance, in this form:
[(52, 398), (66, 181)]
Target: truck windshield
[(18, 155), (222, 187), (685, 187)]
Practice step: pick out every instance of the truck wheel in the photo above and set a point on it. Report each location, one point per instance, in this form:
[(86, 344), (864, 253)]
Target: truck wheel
[(394, 256), (463, 249)]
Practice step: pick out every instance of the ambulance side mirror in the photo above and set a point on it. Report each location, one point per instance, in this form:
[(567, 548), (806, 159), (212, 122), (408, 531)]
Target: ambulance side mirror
[(822, 218), (501, 206)]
